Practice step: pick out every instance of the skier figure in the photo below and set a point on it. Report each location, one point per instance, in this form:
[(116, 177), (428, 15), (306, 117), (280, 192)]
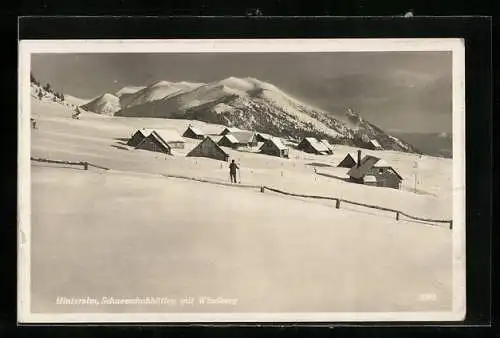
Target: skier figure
[(232, 171)]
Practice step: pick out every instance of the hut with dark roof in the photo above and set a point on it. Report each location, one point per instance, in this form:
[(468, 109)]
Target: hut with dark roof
[(154, 142), (208, 148), (372, 168), (194, 133), (347, 162)]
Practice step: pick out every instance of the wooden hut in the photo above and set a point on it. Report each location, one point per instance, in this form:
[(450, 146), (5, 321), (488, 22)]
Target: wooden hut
[(208, 148), (262, 137), (347, 162), (228, 130), (139, 136), (245, 138), (194, 133), (274, 147), (153, 142), (384, 174), (228, 140), (238, 139), (313, 146), (171, 137)]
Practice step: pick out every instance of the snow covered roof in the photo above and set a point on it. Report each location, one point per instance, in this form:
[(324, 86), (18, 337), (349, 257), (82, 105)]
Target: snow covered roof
[(157, 138), (381, 164), (326, 143), (169, 135), (242, 136), (215, 138), (230, 130), (366, 164), (277, 142), (231, 138), (145, 131), (317, 145), (265, 136), (195, 130)]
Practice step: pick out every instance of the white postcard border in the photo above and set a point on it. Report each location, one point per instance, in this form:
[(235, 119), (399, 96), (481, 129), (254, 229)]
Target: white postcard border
[(28, 47)]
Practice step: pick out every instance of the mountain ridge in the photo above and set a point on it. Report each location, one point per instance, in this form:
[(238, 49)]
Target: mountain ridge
[(246, 103)]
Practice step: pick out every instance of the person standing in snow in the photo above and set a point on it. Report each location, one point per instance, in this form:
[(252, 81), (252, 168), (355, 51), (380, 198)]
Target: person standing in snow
[(232, 171)]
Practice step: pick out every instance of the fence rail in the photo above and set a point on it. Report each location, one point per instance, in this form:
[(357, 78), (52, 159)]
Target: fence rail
[(338, 201), (96, 166), (57, 161), (84, 164)]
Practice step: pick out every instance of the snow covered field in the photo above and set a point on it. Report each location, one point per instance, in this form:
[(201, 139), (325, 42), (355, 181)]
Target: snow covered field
[(131, 232)]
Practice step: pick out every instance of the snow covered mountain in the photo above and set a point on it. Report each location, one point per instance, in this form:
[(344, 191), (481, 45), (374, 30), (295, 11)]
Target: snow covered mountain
[(128, 90), (75, 100), (156, 91), (246, 103), (106, 104)]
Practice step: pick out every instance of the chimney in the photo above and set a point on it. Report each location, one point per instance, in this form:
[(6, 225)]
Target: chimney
[(359, 159)]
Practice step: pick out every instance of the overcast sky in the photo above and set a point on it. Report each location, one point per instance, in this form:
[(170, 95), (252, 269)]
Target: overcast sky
[(403, 91)]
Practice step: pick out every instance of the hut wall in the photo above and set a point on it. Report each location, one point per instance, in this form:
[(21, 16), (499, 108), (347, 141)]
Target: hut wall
[(135, 139), (207, 149), (151, 145)]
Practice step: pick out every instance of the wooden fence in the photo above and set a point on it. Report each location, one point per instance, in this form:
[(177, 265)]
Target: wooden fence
[(85, 165), (337, 200)]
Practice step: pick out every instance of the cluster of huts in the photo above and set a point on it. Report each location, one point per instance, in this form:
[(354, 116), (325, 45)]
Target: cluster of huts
[(165, 141), (369, 170)]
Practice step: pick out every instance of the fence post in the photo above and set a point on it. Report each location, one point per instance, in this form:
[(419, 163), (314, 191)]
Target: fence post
[(451, 225), (262, 189), (337, 205), (86, 165), (397, 215)]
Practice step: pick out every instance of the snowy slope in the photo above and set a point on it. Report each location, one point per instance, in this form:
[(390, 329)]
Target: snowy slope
[(106, 104), (156, 91), (259, 247), (128, 90), (272, 253), (75, 100)]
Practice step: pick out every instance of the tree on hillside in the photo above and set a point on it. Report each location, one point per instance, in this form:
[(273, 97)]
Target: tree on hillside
[(47, 87), (34, 80), (59, 95)]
